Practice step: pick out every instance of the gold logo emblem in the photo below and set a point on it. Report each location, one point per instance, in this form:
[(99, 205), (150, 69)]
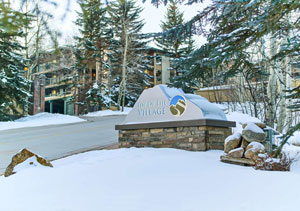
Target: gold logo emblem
[(178, 105)]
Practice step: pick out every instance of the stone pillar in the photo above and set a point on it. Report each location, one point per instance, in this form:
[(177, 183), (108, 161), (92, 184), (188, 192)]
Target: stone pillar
[(39, 94), (65, 107), (51, 107), (165, 72)]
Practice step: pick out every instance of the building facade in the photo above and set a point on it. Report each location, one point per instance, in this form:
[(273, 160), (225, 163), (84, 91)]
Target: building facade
[(57, 68), (53, 80), (160, 67)]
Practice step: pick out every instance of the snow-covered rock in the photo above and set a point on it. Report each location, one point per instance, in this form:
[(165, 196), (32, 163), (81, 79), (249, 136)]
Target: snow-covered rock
[(250, 154), (22, 156), (256, 147), (232, 142), (236, 153), (253, 133), (259, 124), (244, 144)]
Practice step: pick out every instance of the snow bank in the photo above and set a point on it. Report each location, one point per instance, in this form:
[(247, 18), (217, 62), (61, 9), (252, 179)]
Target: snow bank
[(108, 113), (240, 119), (40, 119), (149, 179), (295, 139)]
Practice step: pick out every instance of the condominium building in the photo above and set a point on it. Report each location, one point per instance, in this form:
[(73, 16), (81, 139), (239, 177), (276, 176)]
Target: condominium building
[(54, 88)]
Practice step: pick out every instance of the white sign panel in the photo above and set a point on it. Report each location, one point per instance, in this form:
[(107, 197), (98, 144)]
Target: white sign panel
[(162, 104)]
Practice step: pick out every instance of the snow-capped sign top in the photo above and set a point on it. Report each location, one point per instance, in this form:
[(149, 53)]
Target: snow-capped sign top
[(163, 104)]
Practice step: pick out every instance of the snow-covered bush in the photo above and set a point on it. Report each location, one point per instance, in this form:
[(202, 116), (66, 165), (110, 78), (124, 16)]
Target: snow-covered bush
[(266, 162)]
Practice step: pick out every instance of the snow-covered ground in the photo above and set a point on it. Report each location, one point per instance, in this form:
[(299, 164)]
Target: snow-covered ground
[(108, 112), (148, 179), (40, 119)]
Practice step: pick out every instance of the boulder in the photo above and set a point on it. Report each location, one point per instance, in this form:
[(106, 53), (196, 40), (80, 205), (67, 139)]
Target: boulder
[(20, 157), (256, 147), (253, 133), (259, 124), (254, 150), (250, 154), (232, 141), (236, 153), (244, 144)]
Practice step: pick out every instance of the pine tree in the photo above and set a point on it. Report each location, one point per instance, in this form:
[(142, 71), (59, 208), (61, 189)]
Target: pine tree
[(178, 47), (97, 97), (14, 88), (127, 52), (91, 49), (235, 28)]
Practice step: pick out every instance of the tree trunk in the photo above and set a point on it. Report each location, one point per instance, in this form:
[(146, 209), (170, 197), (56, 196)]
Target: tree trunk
[(122, 91), (271, 88), (282, 103)]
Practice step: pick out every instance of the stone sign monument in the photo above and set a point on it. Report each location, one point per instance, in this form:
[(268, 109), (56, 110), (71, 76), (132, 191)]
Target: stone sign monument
[(167, 117)]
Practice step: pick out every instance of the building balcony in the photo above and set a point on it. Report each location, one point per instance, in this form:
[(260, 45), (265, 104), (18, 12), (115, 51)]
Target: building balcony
[(58, 96), (50, 83)]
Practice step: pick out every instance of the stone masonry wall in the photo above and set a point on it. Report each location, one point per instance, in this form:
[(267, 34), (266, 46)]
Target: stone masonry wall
[(190, 138), (39, 94)]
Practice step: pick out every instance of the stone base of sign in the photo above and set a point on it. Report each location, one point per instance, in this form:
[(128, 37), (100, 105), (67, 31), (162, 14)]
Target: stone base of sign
[(192, 138)]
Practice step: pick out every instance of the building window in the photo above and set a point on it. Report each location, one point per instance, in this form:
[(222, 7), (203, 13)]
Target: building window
[(93, 75), (41, 68), (48, 66)]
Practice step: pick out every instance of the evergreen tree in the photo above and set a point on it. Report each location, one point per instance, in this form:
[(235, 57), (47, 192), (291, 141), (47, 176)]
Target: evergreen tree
[(98, 97), (91, 49), (128, 59), (236, 26), (14, 88), (178, 47)]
